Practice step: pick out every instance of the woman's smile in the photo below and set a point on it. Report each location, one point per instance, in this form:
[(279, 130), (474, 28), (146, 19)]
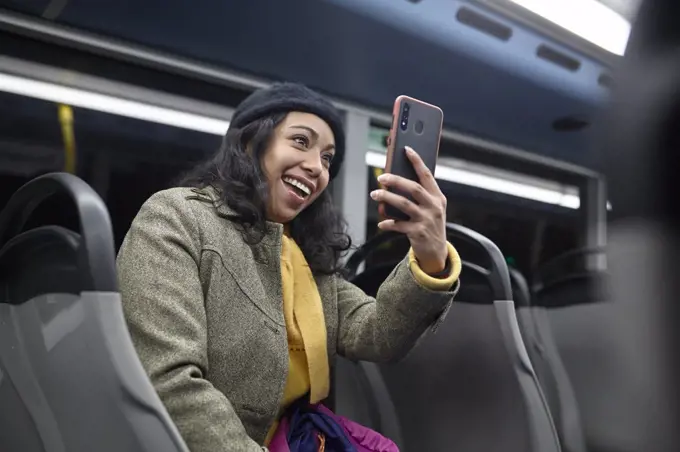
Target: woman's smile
[(297, 196)]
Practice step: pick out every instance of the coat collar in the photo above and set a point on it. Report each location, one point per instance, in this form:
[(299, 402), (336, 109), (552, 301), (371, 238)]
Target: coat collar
[(210, 194), (268, 251)]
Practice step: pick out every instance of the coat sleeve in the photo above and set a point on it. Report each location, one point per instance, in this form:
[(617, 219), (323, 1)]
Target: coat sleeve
[(163, 301), (408, 303)]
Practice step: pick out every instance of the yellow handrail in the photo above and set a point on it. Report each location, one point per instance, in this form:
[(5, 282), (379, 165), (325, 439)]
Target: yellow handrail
[(69, 137)]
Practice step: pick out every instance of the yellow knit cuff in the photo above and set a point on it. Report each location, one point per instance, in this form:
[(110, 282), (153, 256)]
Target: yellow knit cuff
[(437, 284)]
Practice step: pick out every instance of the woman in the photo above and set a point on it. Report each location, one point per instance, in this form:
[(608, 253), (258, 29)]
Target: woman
[(230, 284)]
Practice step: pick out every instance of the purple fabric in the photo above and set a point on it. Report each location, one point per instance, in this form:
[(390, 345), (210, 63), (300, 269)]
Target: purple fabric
[(279, 442), (306, 423), (362, 438)]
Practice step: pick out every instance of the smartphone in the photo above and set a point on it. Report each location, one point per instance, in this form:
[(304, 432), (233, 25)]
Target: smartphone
[(418, 125)]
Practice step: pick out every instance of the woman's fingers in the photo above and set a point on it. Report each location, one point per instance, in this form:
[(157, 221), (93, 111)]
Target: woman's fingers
[(394, 226), (428, 207), (426, 228), (400, 202), (406, 186), (425, 176)]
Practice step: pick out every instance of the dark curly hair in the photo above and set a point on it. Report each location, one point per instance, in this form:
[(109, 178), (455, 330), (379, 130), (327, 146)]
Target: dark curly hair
[(236, 174)]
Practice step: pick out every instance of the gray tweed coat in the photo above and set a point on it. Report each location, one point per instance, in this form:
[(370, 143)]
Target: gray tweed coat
[(205, 313)]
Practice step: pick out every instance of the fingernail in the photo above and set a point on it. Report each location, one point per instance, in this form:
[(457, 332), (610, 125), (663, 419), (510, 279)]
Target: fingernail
[(374, 194), (410, 150), (383, 178)]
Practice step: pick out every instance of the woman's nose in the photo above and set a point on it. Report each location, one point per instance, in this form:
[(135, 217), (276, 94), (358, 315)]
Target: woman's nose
[(313, 163)]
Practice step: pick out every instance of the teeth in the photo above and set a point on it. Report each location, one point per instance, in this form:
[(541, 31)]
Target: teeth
[(298, 184)]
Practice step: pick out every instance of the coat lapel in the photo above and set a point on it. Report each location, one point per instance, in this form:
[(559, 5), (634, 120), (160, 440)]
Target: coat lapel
[(260, 277), (267, 265)]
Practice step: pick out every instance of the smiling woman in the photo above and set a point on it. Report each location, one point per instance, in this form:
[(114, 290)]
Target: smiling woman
[(231, 289), (300, 155), (273, 138)]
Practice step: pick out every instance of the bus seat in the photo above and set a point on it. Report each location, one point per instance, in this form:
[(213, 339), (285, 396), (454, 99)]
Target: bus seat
[(70, 380), (360, 392), (548, 365), (362, 395), (590, 334), (473, 376)]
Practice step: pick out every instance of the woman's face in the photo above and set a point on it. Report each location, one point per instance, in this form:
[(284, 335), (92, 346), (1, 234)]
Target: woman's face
[(296, 164)]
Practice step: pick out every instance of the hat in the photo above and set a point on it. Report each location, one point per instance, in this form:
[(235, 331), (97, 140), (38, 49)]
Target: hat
[(287, 97)]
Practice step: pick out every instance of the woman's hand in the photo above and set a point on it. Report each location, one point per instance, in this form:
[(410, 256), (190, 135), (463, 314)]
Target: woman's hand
[(426, 229)]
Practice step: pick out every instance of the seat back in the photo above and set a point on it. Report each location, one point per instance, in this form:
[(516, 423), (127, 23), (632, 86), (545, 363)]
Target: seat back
[(473, 376), (590, 333), (363, 396), (548, 365), (640, 145), (70, 379)]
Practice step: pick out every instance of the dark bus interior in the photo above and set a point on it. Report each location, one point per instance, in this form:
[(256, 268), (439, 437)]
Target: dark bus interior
[(534, 355)]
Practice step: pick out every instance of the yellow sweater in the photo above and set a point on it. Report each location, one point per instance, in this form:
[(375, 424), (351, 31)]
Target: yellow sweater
[(308, 370)]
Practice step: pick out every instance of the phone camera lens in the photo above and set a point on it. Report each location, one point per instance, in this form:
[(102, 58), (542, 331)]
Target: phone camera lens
[(404, 116)]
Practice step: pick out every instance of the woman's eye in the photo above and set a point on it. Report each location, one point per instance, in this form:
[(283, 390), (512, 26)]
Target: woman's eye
[(328, 158), (301, 140)]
